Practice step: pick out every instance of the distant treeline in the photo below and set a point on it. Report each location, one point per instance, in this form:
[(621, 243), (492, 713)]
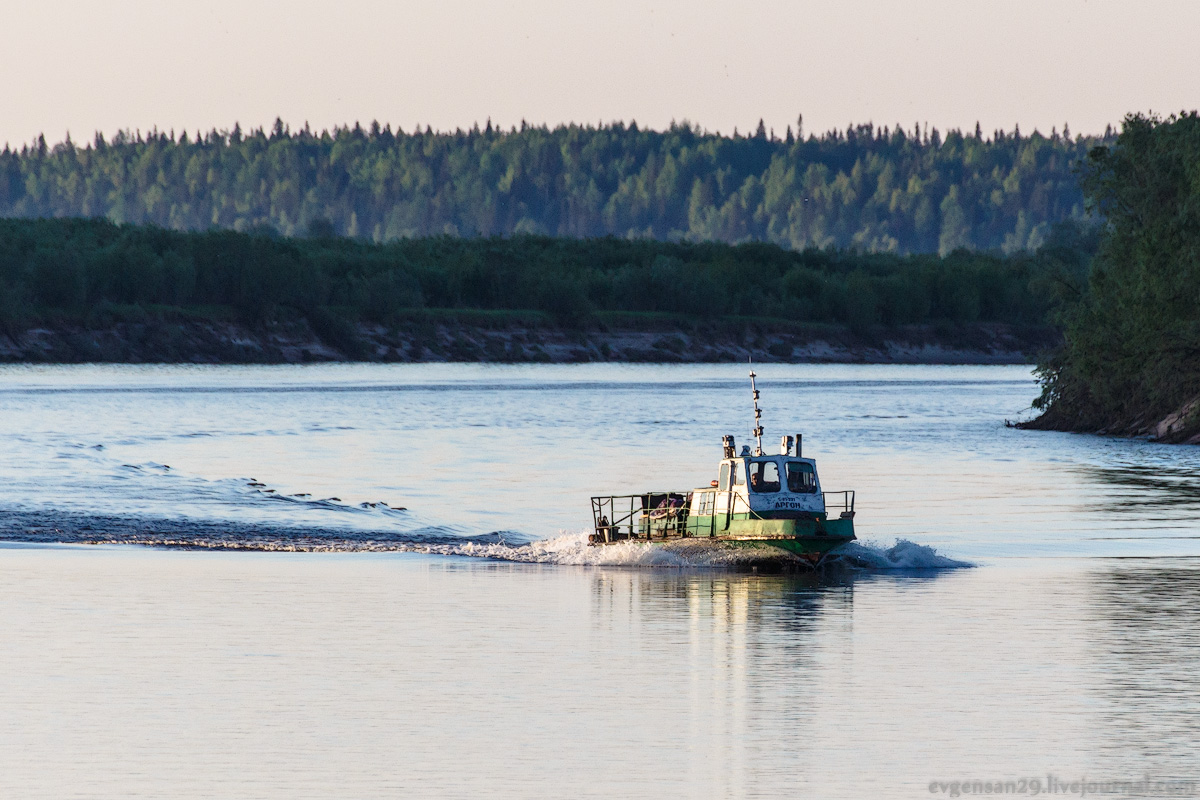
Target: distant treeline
[(83, 268), (875, 189), (1131, 356)]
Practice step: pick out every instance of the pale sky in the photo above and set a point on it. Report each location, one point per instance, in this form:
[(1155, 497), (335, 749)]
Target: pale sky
[(199, 64)]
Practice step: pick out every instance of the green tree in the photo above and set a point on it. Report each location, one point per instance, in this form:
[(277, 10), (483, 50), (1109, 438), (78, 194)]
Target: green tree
[(1132, 352), (876, 189)]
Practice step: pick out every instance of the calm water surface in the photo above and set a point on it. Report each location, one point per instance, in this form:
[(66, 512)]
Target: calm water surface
[(479, 648)]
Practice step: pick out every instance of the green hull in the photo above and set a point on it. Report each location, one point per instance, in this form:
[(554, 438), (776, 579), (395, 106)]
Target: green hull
[(808, 538), (811, 538)]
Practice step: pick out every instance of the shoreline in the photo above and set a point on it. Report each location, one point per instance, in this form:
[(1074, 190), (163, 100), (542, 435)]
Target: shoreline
[(432, 340), (1181, 426)]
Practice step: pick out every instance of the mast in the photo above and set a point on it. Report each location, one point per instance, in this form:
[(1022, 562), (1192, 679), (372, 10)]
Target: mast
[(758, 429)]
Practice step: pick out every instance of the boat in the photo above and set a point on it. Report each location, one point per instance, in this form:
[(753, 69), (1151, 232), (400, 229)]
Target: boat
[(758, 500)]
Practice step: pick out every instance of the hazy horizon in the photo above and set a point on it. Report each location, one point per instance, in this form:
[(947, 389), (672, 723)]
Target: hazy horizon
[(136, 65)]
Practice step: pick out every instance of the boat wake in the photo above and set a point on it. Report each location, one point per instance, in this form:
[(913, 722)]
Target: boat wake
[(573, 549), (903, 555), (564, 549)]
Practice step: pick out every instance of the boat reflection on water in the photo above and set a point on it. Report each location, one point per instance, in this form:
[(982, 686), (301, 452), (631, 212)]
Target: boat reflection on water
[(732, 657), (727, 601), (742, 666), (768, 678)]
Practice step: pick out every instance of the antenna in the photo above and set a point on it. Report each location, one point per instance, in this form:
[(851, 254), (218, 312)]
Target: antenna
[(758, 429)]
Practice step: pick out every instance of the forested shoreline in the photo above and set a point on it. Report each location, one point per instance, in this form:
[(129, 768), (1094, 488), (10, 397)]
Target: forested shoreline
[(867, 244), (869, 188), (409, 299), (1130, 361)]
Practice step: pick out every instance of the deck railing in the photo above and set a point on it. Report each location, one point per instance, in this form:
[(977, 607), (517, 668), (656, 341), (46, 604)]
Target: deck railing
[(841, 502), (640, 516)]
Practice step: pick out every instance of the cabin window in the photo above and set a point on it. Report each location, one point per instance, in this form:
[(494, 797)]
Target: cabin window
[(708, 501), (801, 477), (738, 478), (723, 484), (764, 476)]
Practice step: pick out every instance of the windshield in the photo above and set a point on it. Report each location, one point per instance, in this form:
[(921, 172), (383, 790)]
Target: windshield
[(764, 476), (801, 477)]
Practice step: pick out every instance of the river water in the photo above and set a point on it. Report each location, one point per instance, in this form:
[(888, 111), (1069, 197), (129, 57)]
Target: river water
[(372, 581)]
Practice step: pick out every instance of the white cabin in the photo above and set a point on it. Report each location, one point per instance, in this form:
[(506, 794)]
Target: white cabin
[(766, 484)]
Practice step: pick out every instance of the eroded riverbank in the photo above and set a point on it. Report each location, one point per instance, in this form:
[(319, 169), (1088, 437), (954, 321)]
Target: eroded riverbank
[(452, 339)]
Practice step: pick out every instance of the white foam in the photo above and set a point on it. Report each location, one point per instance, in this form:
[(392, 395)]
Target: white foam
[(573, 549)]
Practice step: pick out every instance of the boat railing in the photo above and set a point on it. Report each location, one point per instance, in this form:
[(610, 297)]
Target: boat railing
[(841, 502), (640, 516)]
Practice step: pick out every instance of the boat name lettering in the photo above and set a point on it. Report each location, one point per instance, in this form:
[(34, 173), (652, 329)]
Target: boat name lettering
[(788, 502)]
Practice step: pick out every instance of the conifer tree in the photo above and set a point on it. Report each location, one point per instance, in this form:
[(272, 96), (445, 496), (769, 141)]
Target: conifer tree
[(872, 188)]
